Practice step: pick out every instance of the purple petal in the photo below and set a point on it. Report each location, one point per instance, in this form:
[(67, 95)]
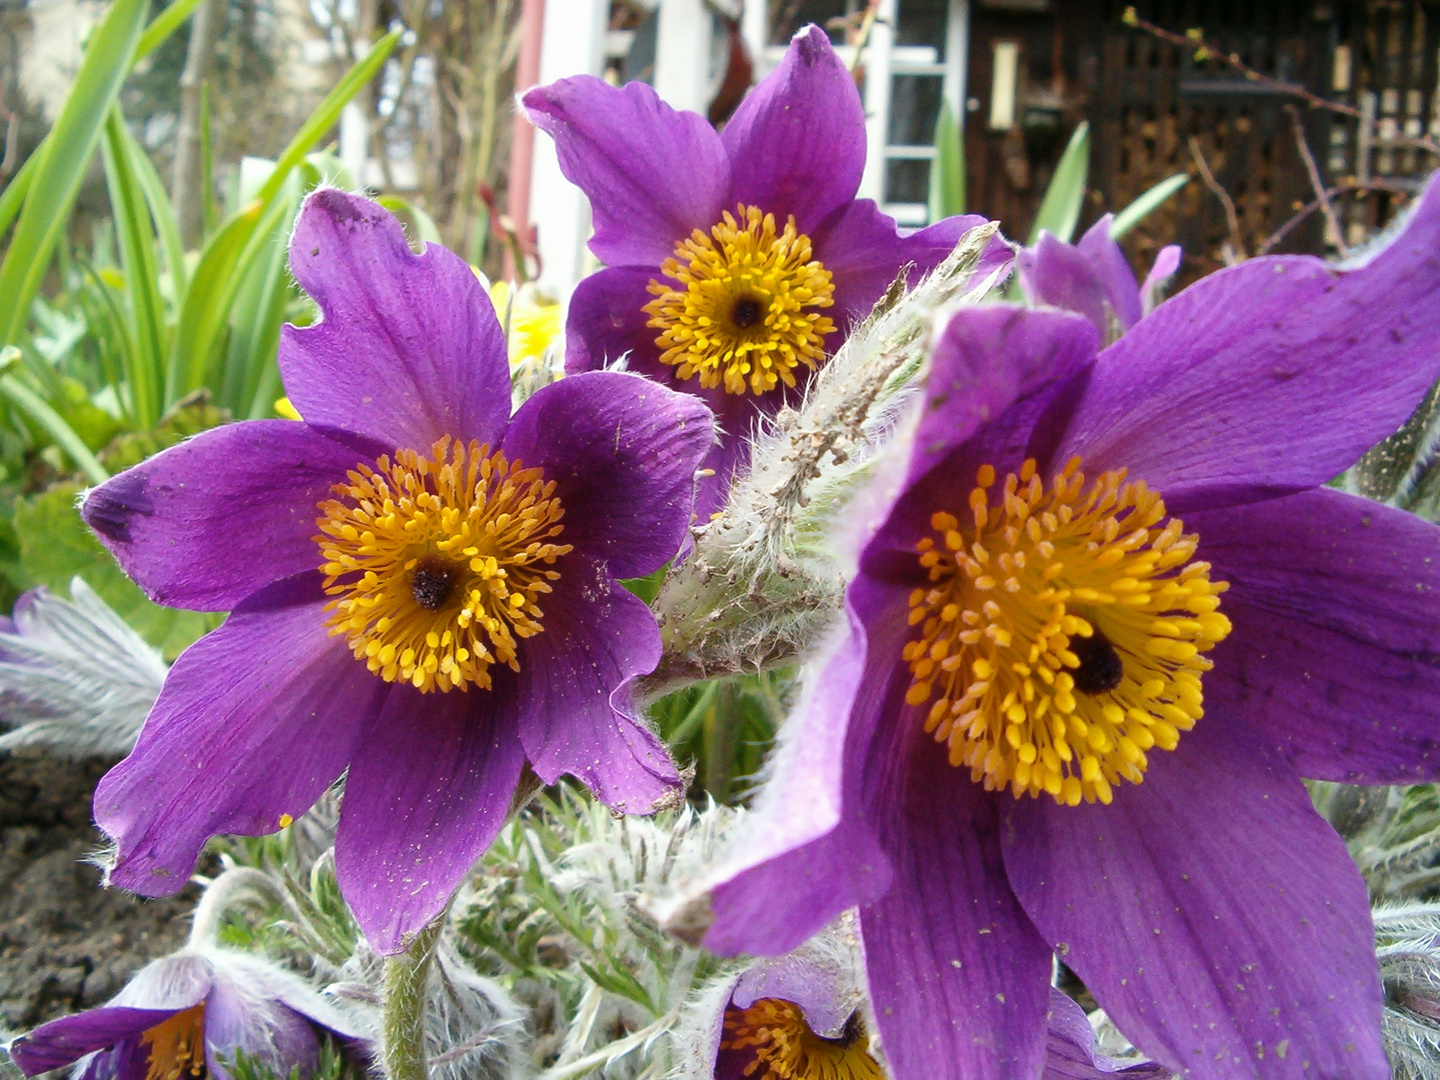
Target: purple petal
[(864, 252), (1214, 915), (428, 789), (959, 979), (824, 991), (408, 349), (987, 359), (806, 854), (606, 323), (206, 523), (652, 174), (1113, 271), (1334, 653), (575, 712), (797, 141), (237, 1018), (60, 1042), (1269, 377), (254, 721), (1070, 1049), (1152, 290), (622, 452)]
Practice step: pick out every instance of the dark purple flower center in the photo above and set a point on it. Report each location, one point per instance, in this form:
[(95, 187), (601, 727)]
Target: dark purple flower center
[(746, 312), (1100, 667), (432, 584)]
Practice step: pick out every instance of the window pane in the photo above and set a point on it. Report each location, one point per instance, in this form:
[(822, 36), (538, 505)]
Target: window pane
[(914, 108), (907, 180)]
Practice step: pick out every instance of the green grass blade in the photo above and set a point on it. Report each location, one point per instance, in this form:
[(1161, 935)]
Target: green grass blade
[(165, 24), (424, 225), (1146, 204), (64, 160), (158, 200), (14, 197), (328, 112), (142, 279), (34, 406), (947, 168), (1060, 209)]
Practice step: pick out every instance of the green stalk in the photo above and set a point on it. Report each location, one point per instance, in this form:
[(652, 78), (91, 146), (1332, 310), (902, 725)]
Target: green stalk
[(402, 1032)]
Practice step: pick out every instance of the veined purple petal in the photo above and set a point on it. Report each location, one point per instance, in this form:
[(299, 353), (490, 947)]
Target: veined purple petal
[(66, 1040), (959, 978), (1269, 377), (1213, 914), (807, 853), (987, 359), (428, 789), (574, 709), (606, 324), (1334, 655), (254, 722), (622, 453), (865, 251), (1070, 1049), (652, 174), (206, 523), (797, 142), (408, 349), (239, 1017)]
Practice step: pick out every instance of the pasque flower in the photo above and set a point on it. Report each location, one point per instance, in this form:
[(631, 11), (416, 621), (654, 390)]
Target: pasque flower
[(422, 587), (1094, 278), (736, 261), (1107, 615), (802, 1017), (184, 1015)]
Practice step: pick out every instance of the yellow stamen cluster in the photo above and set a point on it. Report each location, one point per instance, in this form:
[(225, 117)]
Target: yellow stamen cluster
[(1063, 632), (175, 1048), (437, 563), (786, 1048), (746, 306)]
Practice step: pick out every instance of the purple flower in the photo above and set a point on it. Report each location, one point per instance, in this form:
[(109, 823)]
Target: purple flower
[(736, 260), (1006, 755), (1094, 278), (800, 1017), (184, 1013), (422, 587)]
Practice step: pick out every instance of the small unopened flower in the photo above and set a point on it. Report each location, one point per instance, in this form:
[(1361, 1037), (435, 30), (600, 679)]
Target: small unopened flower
[(1094, 278), (422, 587), (736, 261), (1107, 615), (183, 1016)]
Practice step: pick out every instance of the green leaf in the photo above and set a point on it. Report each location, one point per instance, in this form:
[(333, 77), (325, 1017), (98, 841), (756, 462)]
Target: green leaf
[(165, 24), (947, 169), (190, 417), (15, 191), (144, 305), (65, 159), (1060, 209), (1146, 204), (55, 545)]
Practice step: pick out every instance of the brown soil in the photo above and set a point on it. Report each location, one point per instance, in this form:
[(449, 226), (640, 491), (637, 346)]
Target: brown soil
[(66, 943)]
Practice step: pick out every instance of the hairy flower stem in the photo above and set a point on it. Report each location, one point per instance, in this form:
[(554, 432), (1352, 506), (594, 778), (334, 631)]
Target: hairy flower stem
[(402, 1032), (239, 882)]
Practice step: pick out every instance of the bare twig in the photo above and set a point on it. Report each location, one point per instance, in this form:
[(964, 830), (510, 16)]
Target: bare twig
[(1235, 247), (1331, 193), (1193, 39), (1313, 171), (862, 38)]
